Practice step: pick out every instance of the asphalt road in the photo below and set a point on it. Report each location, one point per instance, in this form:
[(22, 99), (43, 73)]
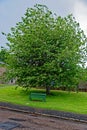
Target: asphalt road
[(10, 120)]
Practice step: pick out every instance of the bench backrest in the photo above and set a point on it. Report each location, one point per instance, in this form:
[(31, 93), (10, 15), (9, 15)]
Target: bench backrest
[(38, 96)]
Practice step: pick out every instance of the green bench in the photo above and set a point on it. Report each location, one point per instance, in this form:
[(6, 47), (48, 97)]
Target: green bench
[(37, 96)]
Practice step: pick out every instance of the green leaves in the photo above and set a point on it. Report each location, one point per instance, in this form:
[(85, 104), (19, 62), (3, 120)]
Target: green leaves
[(46, 49)]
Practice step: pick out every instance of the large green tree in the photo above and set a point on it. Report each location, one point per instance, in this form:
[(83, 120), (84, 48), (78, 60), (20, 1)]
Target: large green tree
[(45, 50)]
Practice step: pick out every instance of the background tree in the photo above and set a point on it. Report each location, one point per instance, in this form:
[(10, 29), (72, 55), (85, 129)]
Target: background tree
[(45, 50), (3, 53)]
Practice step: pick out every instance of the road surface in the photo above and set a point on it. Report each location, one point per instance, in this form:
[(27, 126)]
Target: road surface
[(11, 120)]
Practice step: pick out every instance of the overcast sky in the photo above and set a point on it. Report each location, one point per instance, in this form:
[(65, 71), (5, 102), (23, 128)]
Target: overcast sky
[(11, 12)]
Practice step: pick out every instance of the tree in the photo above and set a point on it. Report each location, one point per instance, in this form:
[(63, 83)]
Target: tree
[(3, 53), (45, 50)]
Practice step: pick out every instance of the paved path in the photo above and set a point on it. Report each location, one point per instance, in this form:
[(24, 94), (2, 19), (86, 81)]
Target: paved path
[(10, 120)]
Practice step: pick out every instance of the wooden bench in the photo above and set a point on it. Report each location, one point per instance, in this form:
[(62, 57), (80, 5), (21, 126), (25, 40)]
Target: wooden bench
[(37, 96)]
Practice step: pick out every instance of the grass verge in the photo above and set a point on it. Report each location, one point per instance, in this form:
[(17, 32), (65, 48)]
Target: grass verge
[(58, 100)]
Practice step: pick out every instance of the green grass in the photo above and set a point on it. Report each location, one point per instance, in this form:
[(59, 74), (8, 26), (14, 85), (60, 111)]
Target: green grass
[(58, 100)]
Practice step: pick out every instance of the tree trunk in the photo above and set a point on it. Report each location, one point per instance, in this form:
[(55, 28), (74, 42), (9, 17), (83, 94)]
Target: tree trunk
[(47, 90)]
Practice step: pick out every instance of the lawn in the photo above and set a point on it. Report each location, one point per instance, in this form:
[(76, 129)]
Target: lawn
[(58, 100)]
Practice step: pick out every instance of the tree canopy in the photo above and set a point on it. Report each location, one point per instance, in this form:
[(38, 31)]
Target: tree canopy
[(46, 50), (3, 53)]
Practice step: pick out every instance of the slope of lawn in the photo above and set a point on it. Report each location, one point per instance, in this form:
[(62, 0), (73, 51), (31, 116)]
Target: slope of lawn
[(58, 100)]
